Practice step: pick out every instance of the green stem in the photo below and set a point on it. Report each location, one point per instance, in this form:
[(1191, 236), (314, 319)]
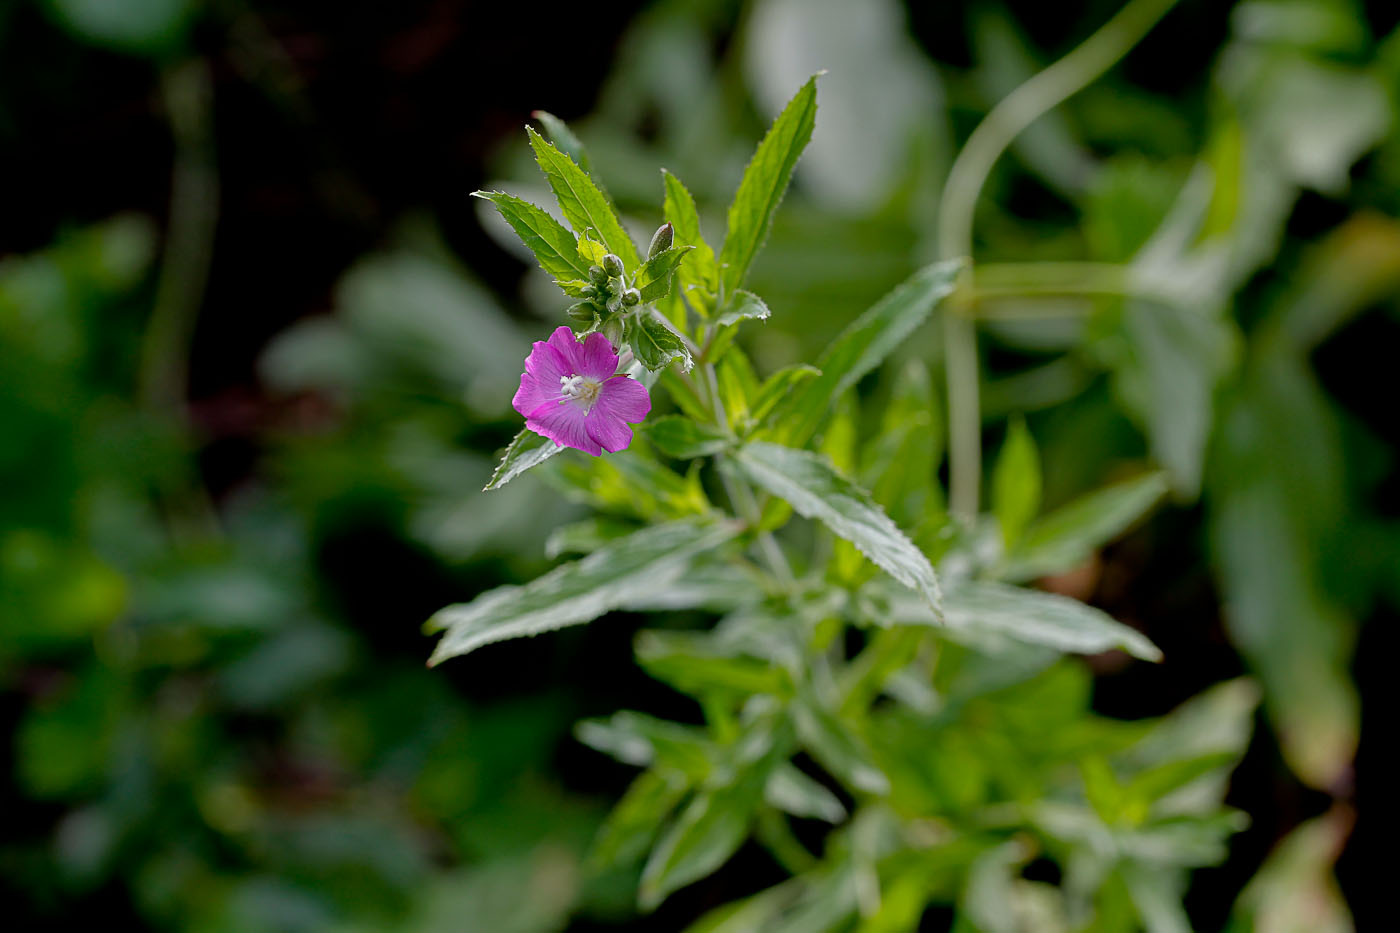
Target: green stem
[(969, 172), (777, 837)]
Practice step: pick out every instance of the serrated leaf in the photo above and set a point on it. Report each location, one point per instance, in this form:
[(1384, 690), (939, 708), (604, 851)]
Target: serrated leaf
[(654, 278), (564, 139), (655, 344), (1016, 483), (1065, 538), (591, 251), (527, 450), (649, 560), (777, 387), (792, 791), (814, 488), (707, 833), (862, 346), (743, 306), (698, 273), (764, 183), (683, 439), (553, 245), (1031, 616), (584, 206)]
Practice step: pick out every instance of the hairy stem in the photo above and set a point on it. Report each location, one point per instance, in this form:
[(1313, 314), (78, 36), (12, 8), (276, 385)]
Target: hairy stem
[(1007, 119)]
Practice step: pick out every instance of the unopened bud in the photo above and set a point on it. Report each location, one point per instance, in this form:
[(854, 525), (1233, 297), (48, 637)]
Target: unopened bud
[(597, 274), (661, 240), (631, 297), (612, 265), (583, 312), (612, 329), (588, 292)]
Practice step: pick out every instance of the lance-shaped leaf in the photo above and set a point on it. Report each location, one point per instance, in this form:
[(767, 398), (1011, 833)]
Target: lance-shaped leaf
[(654, 278), (816, 490), (709, 830), (764, 184), (630, 568), (553, 245), (634, 823), (831, 741), (584, 206), (1016, 482), (862, 346), (777, 386), (1031, 616), (794, 792), (564, 139), (1065, 538), (697, 276), (527, 450)]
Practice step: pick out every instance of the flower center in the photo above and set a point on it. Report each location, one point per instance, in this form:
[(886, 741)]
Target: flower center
[(580, 390)]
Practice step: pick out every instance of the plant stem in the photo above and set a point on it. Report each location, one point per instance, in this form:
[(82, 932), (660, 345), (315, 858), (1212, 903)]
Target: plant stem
[(988, 141)]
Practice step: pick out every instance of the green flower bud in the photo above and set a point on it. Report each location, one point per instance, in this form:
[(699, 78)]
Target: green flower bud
[(588, 292), (612, 265), (612, 329), (631, 297), (597, 274), (661, 240), (583, 312)]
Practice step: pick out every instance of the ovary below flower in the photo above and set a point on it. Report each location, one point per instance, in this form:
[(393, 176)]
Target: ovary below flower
[(570, 394)]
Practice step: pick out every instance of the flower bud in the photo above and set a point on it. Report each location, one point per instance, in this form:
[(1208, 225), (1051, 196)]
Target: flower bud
[(612, 265), (583, 312), (612, 329), (588, 292), (631, 297), (597, 274), (661, 240)]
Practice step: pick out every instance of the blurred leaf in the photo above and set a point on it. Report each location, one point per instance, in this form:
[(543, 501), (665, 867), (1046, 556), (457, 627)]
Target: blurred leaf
[(899, 464), (862, 346), (833, 744), (1030, 616), (148, 27), (1062, 540), (743, 306), (764, 183), (637, 818), (642, 740), (584, 536), (698, 273), (709, 830), (1294, 890), (810, 484), (646, 561), (683, 439), (794, 792), (584, 206), (694, 663), (1016, 483), (778, 386)]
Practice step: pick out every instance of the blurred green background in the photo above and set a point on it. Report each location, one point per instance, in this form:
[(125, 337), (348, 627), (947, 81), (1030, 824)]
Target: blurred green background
[(257, 349)]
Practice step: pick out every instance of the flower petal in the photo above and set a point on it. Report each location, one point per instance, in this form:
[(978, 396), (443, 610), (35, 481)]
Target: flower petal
[(540, 382), (563, 423), (611, 432), (564, 341), (624, 399), (596, 358)]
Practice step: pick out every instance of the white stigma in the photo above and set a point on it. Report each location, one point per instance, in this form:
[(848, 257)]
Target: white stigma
[(580, 390)]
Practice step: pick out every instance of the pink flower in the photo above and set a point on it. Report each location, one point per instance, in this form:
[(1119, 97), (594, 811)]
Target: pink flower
[(569, 394)]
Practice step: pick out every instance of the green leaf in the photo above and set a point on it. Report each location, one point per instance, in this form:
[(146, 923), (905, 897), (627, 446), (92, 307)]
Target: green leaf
[(764, 183), (697, 276), (1031, 616), (654, 278), (683, 439), (1068, 536), (683, 394), (694, 663), (649, 560), (527, 450), (833, 744), (1295, 888), (862, 347), (898, 465), (642, 740), (553, 245), (738, 385), (707, 833), (586, 535), (792, 791), (656, 345), (638, 817), (778, 386), (585, 207), (743, 306), (1016, 483), (810, 484), (564, 139)]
